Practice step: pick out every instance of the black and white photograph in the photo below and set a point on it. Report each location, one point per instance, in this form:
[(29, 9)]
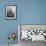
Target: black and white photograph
[(10, 11)]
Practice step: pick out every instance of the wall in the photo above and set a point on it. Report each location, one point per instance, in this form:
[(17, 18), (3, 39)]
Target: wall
[(28, 12)]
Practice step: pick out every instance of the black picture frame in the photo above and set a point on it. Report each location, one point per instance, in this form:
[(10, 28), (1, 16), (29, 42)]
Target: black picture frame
[(10, 12)]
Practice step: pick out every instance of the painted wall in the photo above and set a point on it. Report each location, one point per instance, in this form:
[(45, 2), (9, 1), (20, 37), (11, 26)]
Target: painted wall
[(28, 12)]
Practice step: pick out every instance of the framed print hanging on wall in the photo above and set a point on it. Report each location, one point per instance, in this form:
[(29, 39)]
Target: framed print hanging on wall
[(10, 12)]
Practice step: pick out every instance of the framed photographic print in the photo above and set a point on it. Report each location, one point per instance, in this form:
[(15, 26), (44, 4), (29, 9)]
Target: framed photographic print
[(10, 12)]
